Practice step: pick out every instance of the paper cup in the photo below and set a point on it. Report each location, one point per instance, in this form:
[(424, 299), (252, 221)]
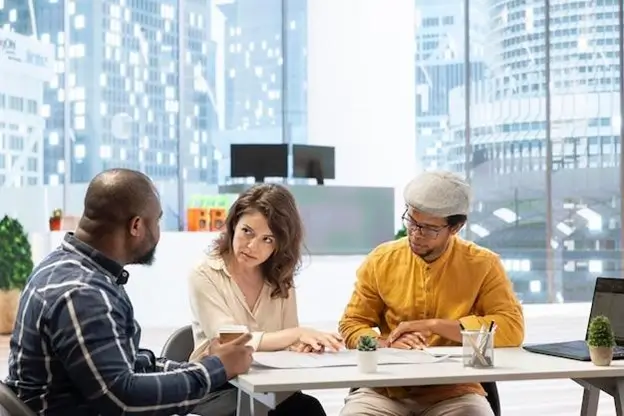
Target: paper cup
[(229, 333)]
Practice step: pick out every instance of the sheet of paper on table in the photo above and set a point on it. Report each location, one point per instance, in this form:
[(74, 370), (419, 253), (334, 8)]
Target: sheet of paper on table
[(344, 358), (450, 352)]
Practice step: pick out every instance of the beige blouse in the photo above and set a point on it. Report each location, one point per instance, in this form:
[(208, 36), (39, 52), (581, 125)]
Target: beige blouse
[(216, 300)]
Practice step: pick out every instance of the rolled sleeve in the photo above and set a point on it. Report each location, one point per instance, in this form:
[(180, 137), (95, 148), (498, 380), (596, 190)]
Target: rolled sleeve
[(363, 313), (497, 303), (256, 339)]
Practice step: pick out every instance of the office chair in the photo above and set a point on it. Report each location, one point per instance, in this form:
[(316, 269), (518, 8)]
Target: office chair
[(11, 404), (492, 397), (180, 345)]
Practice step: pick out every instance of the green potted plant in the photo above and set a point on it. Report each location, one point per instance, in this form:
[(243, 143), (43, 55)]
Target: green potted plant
[(15, 266), (55, 219), (401, 233), (367, 354), (600, 340)]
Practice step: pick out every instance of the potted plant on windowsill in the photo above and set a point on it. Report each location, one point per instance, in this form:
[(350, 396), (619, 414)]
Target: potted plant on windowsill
[(600, 340), (15, 267), (55, 219), (367, 354), (401, 233)]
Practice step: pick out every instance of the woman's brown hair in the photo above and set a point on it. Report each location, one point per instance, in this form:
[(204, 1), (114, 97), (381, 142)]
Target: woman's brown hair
[(278, 206)]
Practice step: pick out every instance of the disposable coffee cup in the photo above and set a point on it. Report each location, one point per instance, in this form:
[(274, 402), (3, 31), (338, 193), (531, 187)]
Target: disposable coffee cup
[(229, 333)]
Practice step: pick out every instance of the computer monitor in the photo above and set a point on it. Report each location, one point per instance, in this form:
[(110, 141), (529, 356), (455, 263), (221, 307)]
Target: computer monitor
[(315, 162), (609, 301), (259, 161)]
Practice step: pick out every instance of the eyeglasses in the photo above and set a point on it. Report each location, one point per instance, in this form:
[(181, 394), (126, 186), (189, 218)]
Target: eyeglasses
[(412, 226)]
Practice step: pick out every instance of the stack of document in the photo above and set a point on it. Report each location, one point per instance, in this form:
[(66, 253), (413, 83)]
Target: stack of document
[(344, 358)]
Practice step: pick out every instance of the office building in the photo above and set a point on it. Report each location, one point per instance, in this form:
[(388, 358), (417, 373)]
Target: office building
[(122, 59), (440, 67), (25, 66), (508, 131), (264, 93)]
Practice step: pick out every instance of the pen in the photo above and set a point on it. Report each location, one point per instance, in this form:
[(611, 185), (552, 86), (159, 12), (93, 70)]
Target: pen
[(491, 326)]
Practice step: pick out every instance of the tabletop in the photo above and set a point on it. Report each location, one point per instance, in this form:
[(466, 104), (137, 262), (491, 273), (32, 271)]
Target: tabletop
[(511, 364)]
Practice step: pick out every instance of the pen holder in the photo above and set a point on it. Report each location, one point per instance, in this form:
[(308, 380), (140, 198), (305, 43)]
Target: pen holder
[(478, 349)]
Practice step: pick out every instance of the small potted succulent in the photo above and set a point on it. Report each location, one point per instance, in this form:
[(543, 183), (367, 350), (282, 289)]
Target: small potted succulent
[(367, 354), (55, 219), (600, 340)]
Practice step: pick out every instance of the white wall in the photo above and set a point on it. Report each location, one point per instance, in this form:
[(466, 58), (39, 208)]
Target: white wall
[(159, 293), (160, 297), (361, 89)]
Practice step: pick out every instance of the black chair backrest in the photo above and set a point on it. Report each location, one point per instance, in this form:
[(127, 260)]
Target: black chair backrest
[(12, 404), (180, 345), (492, 397)]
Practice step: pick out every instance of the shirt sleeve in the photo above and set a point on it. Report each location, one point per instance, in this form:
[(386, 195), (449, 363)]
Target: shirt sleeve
[(497, 302), (89, 335), (147, 362), (209, 306), (363, 312)]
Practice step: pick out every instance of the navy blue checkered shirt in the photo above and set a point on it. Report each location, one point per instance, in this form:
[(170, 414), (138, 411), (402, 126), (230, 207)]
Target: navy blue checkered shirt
[(75, 348)]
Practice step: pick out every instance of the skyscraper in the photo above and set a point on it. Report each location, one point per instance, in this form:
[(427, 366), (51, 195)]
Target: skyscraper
[(25, 65), (265, 61), (122, 59)]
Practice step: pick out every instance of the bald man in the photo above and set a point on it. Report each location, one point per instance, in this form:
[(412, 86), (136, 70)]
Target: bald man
[(75, 348)]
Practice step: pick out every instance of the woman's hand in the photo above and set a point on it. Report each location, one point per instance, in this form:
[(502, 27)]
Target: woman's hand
[(305, 348), (320, 341)]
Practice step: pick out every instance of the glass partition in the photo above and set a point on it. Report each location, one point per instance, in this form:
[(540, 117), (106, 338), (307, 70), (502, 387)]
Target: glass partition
[(523, 98)]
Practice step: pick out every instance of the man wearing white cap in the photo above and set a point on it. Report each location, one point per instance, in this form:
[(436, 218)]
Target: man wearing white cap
[(422, 290)]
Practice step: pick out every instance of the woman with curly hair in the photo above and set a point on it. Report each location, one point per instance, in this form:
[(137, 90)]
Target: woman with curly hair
[(248, 279)]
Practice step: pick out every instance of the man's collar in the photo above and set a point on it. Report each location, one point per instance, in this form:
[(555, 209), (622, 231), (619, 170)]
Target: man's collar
[(120, 274), (443, 257)]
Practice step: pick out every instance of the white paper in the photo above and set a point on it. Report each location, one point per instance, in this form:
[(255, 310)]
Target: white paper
[(450, 352), (344, 358)]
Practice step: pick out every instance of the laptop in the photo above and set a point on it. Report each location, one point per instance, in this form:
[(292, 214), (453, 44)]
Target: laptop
[(608, 300)]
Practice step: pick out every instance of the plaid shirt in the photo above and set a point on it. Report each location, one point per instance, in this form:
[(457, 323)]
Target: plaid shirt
[(74, 350)]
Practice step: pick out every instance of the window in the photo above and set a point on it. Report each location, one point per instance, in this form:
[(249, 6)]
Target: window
[(32, 107), (79, 22), (16, 103)]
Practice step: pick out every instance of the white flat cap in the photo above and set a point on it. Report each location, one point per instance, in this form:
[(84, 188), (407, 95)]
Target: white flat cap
[(438, 193)]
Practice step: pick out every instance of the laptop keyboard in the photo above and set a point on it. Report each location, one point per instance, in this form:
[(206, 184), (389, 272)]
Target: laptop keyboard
[(578, 348)]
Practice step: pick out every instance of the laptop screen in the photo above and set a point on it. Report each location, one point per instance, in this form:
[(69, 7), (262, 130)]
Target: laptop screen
[(609, 301)]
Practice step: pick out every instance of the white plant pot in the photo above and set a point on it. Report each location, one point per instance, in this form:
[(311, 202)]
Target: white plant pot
[(601, 356), (367, 361)]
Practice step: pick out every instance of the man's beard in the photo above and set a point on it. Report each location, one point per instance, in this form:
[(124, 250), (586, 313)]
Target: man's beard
[(147, 259)]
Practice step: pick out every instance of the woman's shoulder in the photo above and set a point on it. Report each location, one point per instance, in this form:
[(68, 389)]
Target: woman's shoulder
[(210, 267)]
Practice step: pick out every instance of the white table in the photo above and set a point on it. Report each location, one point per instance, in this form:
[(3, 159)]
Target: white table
[(263, 389)]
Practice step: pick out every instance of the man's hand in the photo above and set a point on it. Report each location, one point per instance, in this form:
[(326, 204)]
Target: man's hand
[(423, 328), (235, 355), (410, 341)]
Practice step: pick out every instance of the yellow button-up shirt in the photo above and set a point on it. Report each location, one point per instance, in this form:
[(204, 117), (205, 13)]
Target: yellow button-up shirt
[(467, 283)]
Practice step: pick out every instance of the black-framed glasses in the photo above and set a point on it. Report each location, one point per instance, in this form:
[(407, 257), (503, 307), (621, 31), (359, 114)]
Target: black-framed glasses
[(424, 230)]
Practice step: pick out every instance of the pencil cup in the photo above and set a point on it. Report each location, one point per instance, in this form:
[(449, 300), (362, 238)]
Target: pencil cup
[(478, 349)]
